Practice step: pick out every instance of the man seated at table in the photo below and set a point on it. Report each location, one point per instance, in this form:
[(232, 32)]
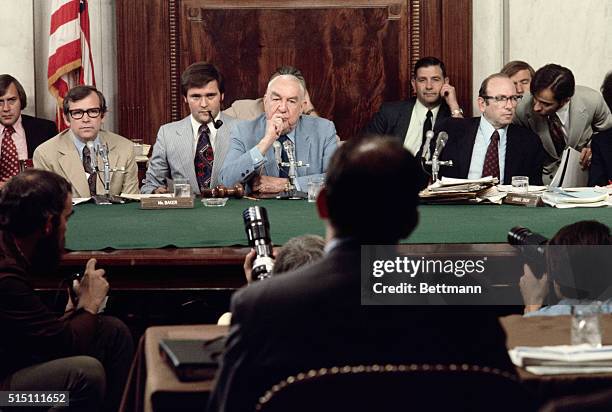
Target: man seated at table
[(20, 134), (578, 263), (248, 109), (81, 351), (251, 159), (195, 147), (313, 317), (490, 145), (68, 154)]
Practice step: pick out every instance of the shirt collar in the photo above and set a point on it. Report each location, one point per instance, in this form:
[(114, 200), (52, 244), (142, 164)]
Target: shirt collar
[(487, 129), (421, 111), (195, 125), (563, 114), (80, 145), (17, 126)]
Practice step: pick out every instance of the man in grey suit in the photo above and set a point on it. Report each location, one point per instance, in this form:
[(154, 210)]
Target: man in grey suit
[(251, 159), (195, 147), (563, 115)]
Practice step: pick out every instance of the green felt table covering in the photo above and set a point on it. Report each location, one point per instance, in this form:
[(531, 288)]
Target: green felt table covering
[(128, 227)]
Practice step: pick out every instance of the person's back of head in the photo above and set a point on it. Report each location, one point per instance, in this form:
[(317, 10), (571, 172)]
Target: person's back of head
[(559, 79), (29, 198), (297, 252), (578, 261), (371, 190)]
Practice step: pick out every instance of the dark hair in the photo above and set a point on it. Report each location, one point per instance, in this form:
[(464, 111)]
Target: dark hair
[(572, 267), (513, 67), (482, 92), (29, 198), (81, 92), (559, 79), (199, 75), (373, 164), (298, 251), (5, 81), (429, 61), (290, 70), (606, 89)]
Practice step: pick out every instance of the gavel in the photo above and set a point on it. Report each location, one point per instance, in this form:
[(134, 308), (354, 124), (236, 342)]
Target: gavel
[(221, 191)]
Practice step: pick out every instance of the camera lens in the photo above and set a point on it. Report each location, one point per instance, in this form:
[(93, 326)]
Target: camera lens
[(257, 227)]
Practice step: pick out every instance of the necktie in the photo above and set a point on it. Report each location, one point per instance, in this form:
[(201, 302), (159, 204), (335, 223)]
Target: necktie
[(9, 161), (491, 163), (426, 127), (556, 133), (283, 171), (204, 158), (91, 178)]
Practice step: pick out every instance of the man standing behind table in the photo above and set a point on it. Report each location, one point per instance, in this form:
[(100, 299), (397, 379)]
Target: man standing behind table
[(251, 159), (409, 120), (193, 148), (20, 134), (562, 115), (490, 145), (68, 154)]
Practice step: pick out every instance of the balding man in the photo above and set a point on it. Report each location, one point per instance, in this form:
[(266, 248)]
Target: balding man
[(251, 158)]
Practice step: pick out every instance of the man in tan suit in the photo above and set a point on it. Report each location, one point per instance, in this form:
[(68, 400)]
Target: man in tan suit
[(68, 155)]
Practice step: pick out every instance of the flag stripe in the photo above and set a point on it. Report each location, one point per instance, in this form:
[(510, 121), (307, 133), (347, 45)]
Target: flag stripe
[(67, 12)]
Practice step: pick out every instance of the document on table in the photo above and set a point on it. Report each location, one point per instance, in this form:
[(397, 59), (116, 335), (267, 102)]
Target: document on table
[(570, 173)]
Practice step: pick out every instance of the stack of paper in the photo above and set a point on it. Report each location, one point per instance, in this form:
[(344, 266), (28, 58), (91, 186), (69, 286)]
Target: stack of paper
[(449, 190), (576, 197), (563, 359)]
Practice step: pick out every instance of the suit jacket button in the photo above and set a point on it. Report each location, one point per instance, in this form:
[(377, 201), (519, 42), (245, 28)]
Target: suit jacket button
[(247, 171), (242, 174)]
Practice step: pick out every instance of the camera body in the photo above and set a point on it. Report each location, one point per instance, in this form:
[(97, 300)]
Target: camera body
[(257, 227), (532, 247)]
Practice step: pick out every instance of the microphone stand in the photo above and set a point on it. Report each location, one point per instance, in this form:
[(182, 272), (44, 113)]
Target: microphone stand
[(292, 192), (435, 162), (106, 198)]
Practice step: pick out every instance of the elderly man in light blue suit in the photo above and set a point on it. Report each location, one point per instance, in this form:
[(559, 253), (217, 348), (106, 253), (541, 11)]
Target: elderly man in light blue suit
[(251, 159), (174, 152)]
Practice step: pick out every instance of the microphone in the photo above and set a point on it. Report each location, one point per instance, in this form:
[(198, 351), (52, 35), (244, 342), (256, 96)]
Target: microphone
[(277, 152), (428, 136), (440, 143), (92, 156), (216, 123)]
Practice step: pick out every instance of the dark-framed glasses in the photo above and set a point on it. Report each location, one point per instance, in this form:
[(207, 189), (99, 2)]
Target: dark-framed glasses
[(79, 113), (501, 100)]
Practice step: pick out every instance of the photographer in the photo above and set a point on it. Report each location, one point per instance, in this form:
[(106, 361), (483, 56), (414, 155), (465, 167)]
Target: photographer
[(82, 352), (576, 250)]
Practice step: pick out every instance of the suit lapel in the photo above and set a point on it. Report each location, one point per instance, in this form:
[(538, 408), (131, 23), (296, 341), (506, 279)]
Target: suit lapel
[(185, 150), (72, 167), (539, 125), (303, 141), (513, 153), (221, 146), (466, 149), (578, 122), (403, 120)]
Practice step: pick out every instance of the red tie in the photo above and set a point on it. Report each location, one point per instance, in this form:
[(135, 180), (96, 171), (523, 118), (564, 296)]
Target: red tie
[(9, 161), (491, 163)]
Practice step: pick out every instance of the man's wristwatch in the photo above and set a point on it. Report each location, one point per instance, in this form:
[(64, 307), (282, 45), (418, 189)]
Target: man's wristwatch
[(457, 111)]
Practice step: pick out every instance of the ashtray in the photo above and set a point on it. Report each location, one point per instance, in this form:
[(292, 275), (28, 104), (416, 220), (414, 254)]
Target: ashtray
[(214, 201)]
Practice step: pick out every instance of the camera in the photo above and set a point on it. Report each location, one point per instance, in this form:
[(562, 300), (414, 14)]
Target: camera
[(257, 227), (532, 246)]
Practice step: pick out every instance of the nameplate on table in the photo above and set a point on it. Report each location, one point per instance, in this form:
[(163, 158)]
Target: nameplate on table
[(523, 199), (166, 203)]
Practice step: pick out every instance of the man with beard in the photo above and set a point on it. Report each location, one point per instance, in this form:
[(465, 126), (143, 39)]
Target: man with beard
[(81, 351), (251, 159)]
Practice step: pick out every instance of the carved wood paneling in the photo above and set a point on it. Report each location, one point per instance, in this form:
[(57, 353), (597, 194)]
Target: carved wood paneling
[(354, 54)]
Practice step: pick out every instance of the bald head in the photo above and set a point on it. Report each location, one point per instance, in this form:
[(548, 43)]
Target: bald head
[(361, 175)]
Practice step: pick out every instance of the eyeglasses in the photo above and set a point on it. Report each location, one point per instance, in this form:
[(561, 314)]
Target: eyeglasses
[(10, 102), (501, 100), (91, 113)]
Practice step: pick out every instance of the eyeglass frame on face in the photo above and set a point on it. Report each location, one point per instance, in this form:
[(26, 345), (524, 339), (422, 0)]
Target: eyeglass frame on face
[(91, 113), (503, 100), (10, 102)]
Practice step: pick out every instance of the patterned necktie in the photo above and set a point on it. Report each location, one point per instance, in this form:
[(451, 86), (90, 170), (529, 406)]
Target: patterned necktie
[(491, 162), (91, 178), (204, 158), (283, 171), (9, 161), (556, 133), (427, 126)]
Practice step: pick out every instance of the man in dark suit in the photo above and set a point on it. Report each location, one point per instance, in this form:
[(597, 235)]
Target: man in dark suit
[(314, 317), (26, 132), (600, 173), (409, 120), (490, 145)]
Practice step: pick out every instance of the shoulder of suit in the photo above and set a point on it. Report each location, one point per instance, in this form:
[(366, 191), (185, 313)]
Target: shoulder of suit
[(115, 138), (316, 121), (177, 125), (398, 105), (584, 92), (36, 120)]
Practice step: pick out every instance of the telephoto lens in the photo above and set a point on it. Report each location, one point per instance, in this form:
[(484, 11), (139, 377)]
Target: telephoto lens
[(257, 227), (532, 246)]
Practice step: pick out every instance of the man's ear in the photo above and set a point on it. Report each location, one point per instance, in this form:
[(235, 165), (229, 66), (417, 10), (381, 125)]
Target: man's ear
[(322, 204), (48, 227), (66, 119)]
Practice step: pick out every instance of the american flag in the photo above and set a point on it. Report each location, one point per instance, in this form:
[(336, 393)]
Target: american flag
[(70, 61)]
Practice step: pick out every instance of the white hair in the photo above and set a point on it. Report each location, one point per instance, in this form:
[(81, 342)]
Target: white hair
[(288, 77)]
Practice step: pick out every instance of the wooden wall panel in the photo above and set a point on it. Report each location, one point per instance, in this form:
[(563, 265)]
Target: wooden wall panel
[(354, 54)]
